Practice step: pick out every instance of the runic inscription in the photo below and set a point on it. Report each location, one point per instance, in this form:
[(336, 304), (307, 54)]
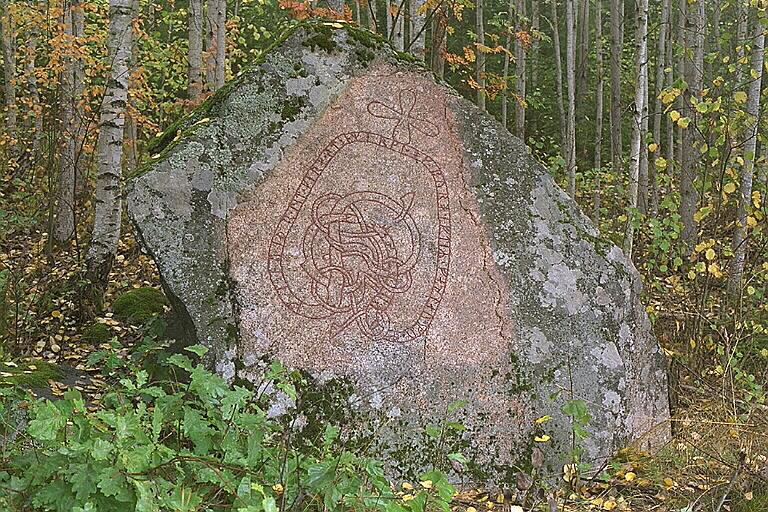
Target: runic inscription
[(359, 250)]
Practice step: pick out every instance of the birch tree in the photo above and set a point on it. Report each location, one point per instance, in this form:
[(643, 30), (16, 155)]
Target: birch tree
[(559, 76), (617, 45), (30, 75), (658, 110), (64, 224), (570, 70), (505, 68), (221, 43), (480, 64), (689, 157), (599, 93), (520, 65), (195, 59), (417, 33), (750, 149), (8, 47), (640, 110), (107, 216)]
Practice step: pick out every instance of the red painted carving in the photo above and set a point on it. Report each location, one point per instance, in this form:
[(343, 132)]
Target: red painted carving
[(403, 114), (353, 265)]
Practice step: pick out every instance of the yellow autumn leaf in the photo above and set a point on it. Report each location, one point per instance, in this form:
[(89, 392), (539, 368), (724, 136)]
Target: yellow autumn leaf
[(691, 274), (683, 122), (471, 509), (714, 269), (427, 484), (542, 439), (751, 222), (630, 476), (739, 97), (489, 505), (668, 482), (751, 290), (55, 314), (674, 115), (710, 254), (543, 419), (729, 188), (407, 486), (278, 488), (407, 497), (609, 505), (661, 163), (653, 147)]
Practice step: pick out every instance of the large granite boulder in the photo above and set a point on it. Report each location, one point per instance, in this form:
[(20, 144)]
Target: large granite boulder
[(339, 210)]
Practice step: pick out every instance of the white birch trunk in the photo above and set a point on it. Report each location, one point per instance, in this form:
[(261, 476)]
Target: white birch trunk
[(617, 45), (750, 148), (8, 46), (64, 224), (480, 64), (559, 77), (520, 86), (690, 144), (570, 71), (30, 51), (658, 111), (221, 43), (107, 216), (505, 72), (195, 70), (599, 71), (418, 34), (640, 109)]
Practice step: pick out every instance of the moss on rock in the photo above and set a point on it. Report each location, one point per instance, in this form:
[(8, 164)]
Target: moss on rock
[(32, 374), (96, 334), (139, 305)]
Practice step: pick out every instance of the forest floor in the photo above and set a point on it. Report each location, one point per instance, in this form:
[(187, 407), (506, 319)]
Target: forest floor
[(716, 461)]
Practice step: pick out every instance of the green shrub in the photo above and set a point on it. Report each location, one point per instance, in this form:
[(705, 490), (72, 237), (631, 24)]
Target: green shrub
[(192, 445), (139, 305), (96, 334)]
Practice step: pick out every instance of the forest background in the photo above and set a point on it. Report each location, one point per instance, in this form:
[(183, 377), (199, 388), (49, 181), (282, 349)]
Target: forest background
[(651, 115)]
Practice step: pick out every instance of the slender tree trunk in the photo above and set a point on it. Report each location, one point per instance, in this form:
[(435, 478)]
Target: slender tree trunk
[(131, 128), (598, 109), (195, 83), (742, 28), (642, 185), (480, 75), (78, 31), (617, 45), (533, 54), (221, 43), (418, 34), (439, 42), (505, 72), (336, 5), (641, 70), (658, 111), (107, 216), (210, 44), (520, 61), (372, 15), (582, 49), (559, 78), (30, 52), (690, 147), (750, 149), (8, 44), (570, 70), (64, 224)]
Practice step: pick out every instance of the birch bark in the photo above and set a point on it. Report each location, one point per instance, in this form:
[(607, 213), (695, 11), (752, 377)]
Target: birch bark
[(750, 149), (107, 216), (640, 111)]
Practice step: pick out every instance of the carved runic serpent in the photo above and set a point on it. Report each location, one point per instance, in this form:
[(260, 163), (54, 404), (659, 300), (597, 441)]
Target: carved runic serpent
[(355, 265)]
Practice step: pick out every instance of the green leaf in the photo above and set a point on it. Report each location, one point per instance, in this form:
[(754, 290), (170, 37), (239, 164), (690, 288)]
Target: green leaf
[(458, 457), (433, 432), (181, 361), (269, 505), (101, 449), (197, 349)]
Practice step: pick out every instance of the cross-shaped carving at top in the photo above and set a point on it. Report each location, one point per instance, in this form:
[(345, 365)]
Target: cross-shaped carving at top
[(405, 117)]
